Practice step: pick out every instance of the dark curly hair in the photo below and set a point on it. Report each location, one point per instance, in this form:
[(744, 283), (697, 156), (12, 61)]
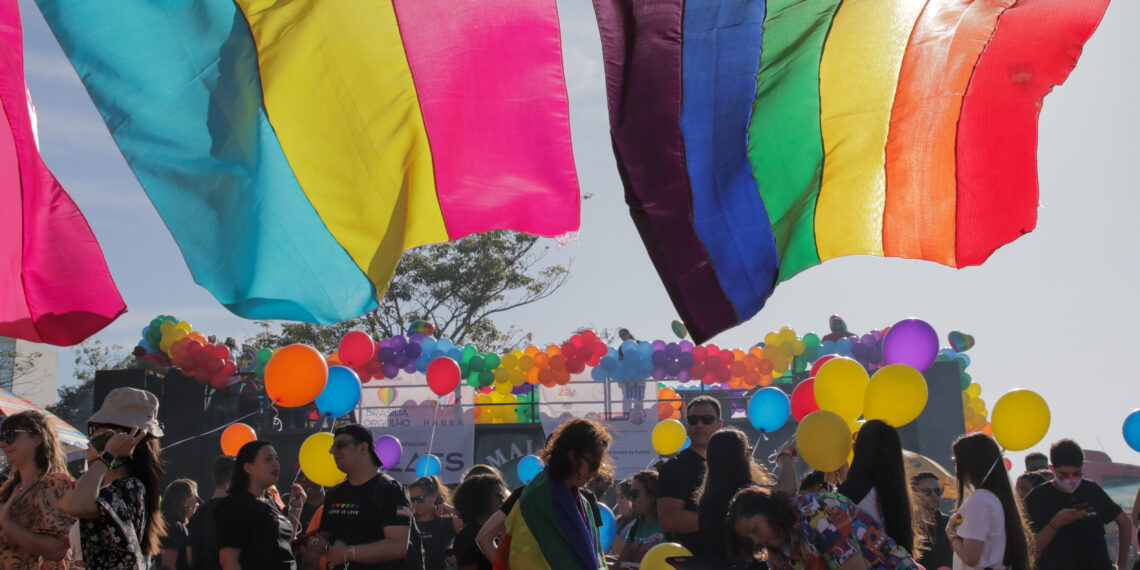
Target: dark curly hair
[(776, 507), (580, 436), (474, 499), (648, 479)]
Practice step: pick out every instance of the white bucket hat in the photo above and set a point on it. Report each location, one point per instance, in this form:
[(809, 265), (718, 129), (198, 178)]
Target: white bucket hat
[(129, 407)]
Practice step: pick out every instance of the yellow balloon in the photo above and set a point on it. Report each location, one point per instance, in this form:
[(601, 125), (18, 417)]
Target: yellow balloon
[(974, 390), (824, 440), (184, 326), (839, 387), (504, 387), (668, 437), (1020, 419), (655, 558), (896, 394), (317, 462)]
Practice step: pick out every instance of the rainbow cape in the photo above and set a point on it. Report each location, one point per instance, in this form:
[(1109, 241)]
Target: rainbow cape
[(756, 139), (295, 149), (54, 283), (544, 531)]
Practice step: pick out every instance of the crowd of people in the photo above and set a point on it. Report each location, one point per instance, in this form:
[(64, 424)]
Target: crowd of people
[(711, 497)]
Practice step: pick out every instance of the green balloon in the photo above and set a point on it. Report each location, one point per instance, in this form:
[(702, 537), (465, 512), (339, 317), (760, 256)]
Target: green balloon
[(467, 354), (965, 380), (486, 378), (476, 364), (263, 356), (473, 380), (491, 361), (811, 339)]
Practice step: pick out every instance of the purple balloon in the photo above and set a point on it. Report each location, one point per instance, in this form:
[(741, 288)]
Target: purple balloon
[(658, 373), (683, 375), (410, 368), (389, 450), (686, 360), (385, 354), (658, 345), (400, 360), (686, 346), (672, 368), (390, 370), (912, 342), (415, 338), (672, 350), (413, 350), (398, 342)]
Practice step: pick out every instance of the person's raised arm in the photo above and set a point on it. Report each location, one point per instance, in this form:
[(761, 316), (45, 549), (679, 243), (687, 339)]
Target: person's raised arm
[(229, 557), (968, 549), (485, 540), (83, 501), (786, 479)]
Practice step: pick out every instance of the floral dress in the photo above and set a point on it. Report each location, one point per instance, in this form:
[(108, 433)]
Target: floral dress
[(112, 541), (829, 530), (38, 510)]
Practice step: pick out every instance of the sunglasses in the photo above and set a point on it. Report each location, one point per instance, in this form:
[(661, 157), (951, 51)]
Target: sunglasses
[(937, 492), (344, 444), (92, 428), (707, 420), (10, 436), (419, 499)]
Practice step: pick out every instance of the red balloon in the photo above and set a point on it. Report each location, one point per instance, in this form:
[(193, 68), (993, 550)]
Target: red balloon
[(818, 363), (1008, 463), (356, 348), (589, 336), (443, 376), (568, 349), (803, 399), (712, 362)]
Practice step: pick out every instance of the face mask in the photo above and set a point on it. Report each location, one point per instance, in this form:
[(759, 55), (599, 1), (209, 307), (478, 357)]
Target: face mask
[(1068, 484)]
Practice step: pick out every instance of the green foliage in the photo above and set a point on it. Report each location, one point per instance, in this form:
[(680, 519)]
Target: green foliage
[(458, 286), (76, 402)]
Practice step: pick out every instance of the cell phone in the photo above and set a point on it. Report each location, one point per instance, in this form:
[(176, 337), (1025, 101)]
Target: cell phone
[(100, 441)]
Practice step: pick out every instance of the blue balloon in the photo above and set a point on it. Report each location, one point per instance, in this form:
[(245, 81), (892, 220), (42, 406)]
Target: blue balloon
[(528, 467), (688, 442), (843, 346), (1132, 430), (422, 362), (629, 346), (609, 364), (608, 531), (443, 344), (427, 345), (341, 394), (598, 374), (644, 368), (428, 465), (769, 409), (645, 350)]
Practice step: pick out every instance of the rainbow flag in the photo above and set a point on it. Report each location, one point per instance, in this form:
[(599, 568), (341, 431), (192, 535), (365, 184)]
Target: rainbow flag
[(295, 149), (545, 531), (759, 138), (55, 287)]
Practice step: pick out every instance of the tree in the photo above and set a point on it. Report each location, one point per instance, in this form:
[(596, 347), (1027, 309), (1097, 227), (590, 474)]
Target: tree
[(20, 364), (458, 286), (76, 402)]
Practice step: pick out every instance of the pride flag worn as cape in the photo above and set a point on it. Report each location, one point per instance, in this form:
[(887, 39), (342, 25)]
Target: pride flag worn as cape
[(544, 531), (759, 138), (55, 287), (295, 148)]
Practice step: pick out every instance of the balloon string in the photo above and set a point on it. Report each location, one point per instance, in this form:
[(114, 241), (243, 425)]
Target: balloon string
[(205, 433), (434, 421), (775, 453)]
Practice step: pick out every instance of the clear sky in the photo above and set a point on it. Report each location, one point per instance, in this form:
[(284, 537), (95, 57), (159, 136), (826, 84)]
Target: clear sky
[(1055, 311)]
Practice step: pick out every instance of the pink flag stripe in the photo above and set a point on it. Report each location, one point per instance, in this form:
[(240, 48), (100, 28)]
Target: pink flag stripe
[(55, 287), (489, 78)]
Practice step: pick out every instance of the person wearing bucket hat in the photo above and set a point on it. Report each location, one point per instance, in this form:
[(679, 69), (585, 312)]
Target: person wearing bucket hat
[(117, 498)]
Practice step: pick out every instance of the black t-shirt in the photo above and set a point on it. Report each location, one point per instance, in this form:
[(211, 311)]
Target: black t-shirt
[(436, 535), (357, 514), (203, 536), (937, 543), (257, 527), (467, 552), (680, 477), (1079, 544), (176, 539)]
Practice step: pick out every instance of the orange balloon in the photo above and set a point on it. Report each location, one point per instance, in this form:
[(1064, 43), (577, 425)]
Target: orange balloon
[(235, 436), (295, 375)]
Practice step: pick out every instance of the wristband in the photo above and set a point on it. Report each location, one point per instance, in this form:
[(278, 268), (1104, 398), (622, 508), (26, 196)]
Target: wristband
[(351, 553)]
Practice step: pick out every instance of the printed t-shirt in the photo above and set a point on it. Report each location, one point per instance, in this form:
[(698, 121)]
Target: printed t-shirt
[(1081, 543), (357, 514), (829, 530), (642, 537), (436, 535), (981, 518)]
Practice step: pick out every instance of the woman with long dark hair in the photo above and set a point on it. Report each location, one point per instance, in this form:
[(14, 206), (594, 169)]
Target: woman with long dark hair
[(179, 502), (117, 499), (811, 530), (988, 530), (33, 523), (475, 500), (730, 469), (877, 482), (553, 522), (253, 532), (427, 495)]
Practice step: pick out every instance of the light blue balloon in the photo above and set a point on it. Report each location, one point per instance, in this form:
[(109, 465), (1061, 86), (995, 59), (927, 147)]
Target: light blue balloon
[(341, 394), (443, 344), (645, 368), (427, 344), (422, 362), (428, 465), (645, 350), (627, 347), (598, 374), (769, 409), (609, 363), (608, 531), (688, 442), (1132, 430), (965, 360), (528, 467)]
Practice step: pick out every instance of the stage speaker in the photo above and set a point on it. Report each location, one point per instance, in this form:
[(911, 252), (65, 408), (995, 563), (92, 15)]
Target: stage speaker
[(942, 421)]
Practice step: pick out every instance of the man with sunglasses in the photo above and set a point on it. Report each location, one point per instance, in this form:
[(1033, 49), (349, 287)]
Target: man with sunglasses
[(927, 489), (681, 475)]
